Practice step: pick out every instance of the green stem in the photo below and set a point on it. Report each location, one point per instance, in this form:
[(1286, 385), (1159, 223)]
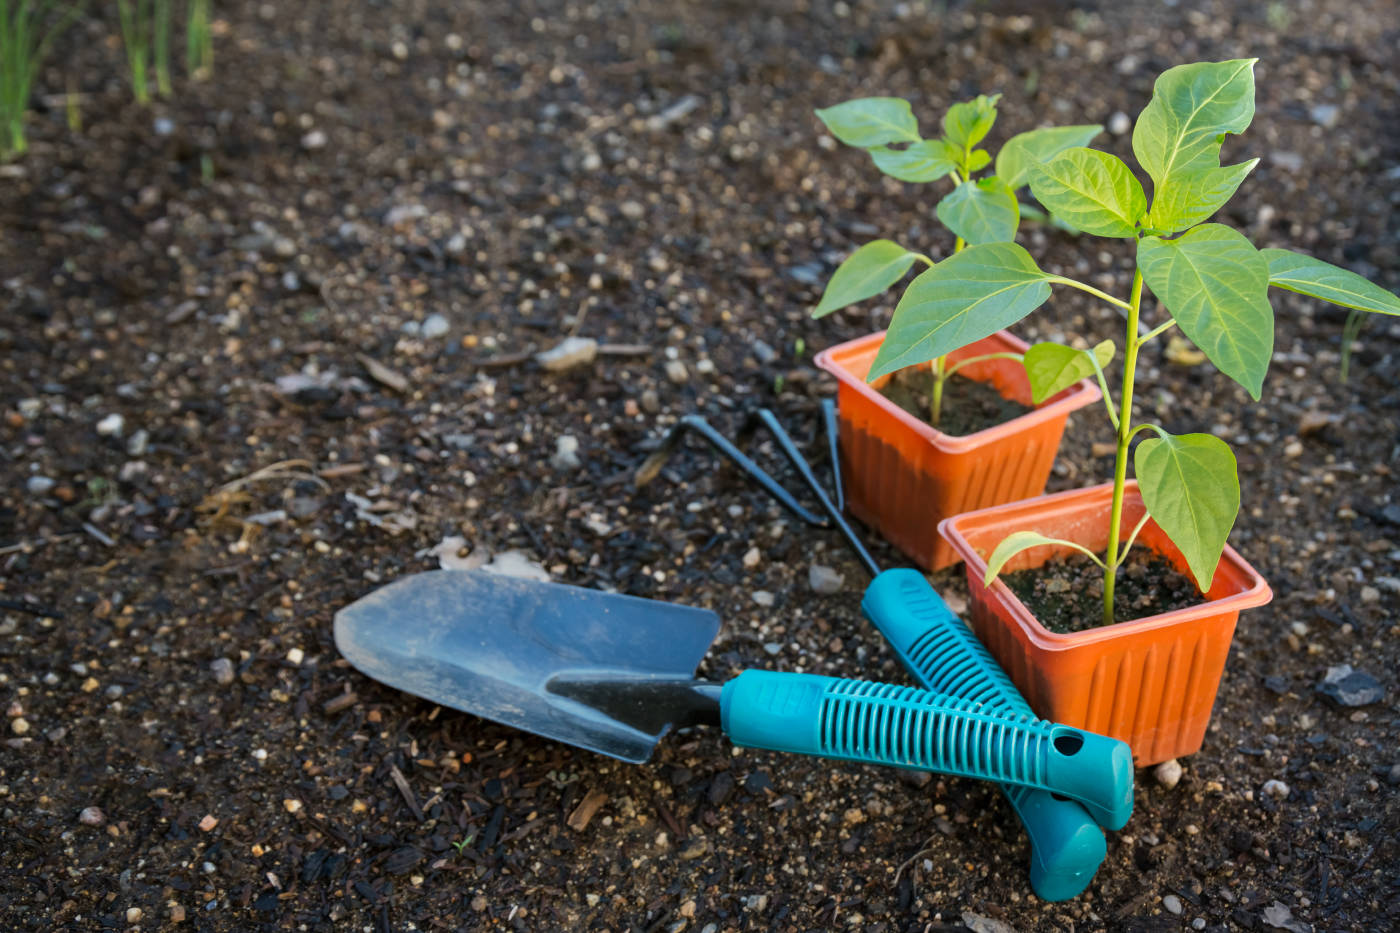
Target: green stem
[(1125, 435), (952, 370), (18, 144), (1075, 283), (1165, 325), (939, 378), (940, 365), (162, 47)]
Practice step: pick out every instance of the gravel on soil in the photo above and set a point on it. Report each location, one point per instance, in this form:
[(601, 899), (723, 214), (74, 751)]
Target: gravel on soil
[(191, 293)]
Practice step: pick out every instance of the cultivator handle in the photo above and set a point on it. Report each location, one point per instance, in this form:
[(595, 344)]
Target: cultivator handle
[(904, 727), (1067, 847)]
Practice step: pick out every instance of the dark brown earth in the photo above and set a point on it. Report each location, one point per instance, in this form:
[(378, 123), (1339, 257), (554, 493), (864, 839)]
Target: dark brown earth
[(969, 406), (1067, 594), (526, 170)]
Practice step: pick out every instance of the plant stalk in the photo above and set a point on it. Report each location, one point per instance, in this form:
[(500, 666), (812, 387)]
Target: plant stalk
[(1125, 434), (940, 365)]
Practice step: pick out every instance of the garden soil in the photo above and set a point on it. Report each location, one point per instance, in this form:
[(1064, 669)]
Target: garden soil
[(268, 345)]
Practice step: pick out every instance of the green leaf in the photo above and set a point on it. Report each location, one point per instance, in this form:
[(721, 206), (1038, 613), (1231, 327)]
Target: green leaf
[(967, 123), (1053, 367), (1191, 488), (871, 121), (926, 160), (1024, 150), (1091, 190), (983, 211), (978, 159), (1215, 283), (1317, 279), (1194, 195), (968, 296), (1019, 541), (865, 273), (1177, 138)]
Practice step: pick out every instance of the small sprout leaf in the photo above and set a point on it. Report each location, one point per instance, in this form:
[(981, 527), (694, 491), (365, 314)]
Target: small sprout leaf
[(926, 160), (868, 122), (983, 211), (1053, 367), (865, 273), (968, 123), (1094, 191), (1024, 150), (978, 159), (1215, 283), (1317, 279), (1191, 488), (1019, 541), (968, 296)]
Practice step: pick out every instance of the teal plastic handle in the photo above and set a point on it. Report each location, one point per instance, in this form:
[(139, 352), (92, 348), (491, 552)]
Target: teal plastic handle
[(1067, 846), (904, 727)]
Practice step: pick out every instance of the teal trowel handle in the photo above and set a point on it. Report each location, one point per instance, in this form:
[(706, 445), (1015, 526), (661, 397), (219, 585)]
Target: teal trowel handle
[(904, 727), (938, 649)]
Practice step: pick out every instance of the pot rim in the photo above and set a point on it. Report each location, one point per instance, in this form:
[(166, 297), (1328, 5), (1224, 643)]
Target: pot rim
[(1083, 392), (1255, 592)]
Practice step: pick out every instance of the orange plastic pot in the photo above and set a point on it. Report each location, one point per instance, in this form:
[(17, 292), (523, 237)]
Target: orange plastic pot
[(1150, 682), (903, 477)]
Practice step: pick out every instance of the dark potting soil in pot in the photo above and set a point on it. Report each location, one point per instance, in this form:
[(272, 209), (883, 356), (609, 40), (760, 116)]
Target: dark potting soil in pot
[(969, 406), (1066, 595)]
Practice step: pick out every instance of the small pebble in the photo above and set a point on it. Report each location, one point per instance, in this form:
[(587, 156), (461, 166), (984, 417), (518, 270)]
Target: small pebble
[(133, 915), (435, 326), (1370, 595), (1393, 778), (208, 823), (92, 816), (222, 669), (1168, 773), (763, 598), (824, 580), (296, 655), (676, 371), (565, 453), (568, 353), (1293, 449), (1172, 903), (1276, 789), (39, 485), (111, 426), (19, 725), (1325, 115), (316, 139), (752, 557), (1119, 123), (1199, 923), (292, 805)]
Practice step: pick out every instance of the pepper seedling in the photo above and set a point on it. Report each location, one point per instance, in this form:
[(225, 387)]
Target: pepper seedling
[(978, 210), (1212, 282)]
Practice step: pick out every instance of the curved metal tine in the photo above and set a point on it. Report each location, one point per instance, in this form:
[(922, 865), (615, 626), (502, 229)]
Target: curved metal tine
[(789, 449), (829, 421), (653, 464)]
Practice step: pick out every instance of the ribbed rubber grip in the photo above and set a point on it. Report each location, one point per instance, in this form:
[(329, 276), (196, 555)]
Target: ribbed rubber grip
[(942, 653), (906, 727), (934, 643)]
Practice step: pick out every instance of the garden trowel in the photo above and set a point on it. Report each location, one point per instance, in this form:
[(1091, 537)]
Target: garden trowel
[(613, 674)]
